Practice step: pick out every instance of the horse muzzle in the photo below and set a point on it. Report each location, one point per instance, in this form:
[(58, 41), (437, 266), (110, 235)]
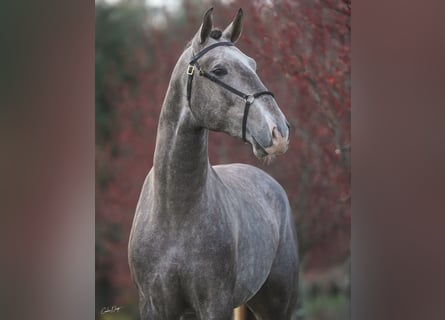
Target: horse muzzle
[(279, 144)]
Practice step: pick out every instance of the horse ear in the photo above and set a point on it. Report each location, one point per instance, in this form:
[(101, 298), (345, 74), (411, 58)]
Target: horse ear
[(206, 26), (204, 31), (234, 29)]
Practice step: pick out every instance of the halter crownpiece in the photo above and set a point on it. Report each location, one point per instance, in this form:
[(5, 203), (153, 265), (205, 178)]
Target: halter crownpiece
[(249, 98)]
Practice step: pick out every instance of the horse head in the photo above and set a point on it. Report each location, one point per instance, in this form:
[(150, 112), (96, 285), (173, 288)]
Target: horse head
[(226, 94)]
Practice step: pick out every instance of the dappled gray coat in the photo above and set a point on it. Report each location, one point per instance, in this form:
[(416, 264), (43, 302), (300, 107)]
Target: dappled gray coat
[(206, 239)]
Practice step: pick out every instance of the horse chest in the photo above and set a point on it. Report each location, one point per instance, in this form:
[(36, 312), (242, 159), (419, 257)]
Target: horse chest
[(226, 236), (182, 238)]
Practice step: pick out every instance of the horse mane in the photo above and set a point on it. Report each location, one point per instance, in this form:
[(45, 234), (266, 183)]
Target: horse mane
[(215, 34)]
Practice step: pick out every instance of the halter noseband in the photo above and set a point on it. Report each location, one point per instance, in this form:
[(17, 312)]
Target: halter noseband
[(249, 98)]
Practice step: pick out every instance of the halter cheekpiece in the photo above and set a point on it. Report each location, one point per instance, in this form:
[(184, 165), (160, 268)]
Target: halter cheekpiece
[(249, 98)]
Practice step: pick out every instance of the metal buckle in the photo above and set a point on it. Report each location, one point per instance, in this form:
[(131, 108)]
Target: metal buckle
[(250, 99), (190, 69)]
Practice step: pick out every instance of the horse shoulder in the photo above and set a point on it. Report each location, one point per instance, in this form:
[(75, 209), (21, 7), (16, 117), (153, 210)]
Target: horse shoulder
[(144, 197), (140, 219)]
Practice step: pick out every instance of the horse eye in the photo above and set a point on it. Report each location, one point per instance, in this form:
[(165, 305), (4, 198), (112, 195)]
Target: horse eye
[(219, 71)]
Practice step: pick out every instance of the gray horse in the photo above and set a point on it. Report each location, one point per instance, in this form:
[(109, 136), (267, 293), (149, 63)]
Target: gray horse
[(206, 239)]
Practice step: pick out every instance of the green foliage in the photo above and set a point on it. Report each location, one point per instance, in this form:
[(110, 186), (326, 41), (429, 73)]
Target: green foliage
[(326, 307), (118, 28)]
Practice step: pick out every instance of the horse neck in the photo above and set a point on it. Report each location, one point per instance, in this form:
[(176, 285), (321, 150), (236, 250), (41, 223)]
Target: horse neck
[(181, 163)]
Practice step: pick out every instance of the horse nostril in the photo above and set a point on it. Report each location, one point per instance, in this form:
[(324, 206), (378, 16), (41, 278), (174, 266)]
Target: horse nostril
[(280, 133), (288, 130), (276, 133), (279, 143)]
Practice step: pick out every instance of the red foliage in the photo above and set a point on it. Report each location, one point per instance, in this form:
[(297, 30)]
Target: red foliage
[(303, 55)]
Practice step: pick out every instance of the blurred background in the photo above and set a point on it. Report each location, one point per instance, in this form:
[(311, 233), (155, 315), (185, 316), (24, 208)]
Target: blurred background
[(302, 49)]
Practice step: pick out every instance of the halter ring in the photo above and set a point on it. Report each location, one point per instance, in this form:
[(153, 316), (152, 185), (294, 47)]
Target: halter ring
[(250, 99)]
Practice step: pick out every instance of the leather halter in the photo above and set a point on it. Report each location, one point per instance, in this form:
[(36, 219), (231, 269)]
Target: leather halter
[(249, 98)]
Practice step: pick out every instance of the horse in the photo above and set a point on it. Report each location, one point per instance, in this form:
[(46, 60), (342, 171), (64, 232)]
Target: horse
[(206, 239)]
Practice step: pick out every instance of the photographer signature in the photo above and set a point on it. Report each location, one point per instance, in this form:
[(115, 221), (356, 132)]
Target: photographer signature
[(110, 310)]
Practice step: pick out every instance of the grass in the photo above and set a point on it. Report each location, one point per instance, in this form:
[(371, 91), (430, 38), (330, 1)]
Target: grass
[(326, 307)]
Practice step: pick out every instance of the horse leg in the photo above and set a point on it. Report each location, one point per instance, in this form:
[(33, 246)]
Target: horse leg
[(272, 302), (147, 313), (152, 314), (277, 298), (217, 315), (160, 307), (214, 308)]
